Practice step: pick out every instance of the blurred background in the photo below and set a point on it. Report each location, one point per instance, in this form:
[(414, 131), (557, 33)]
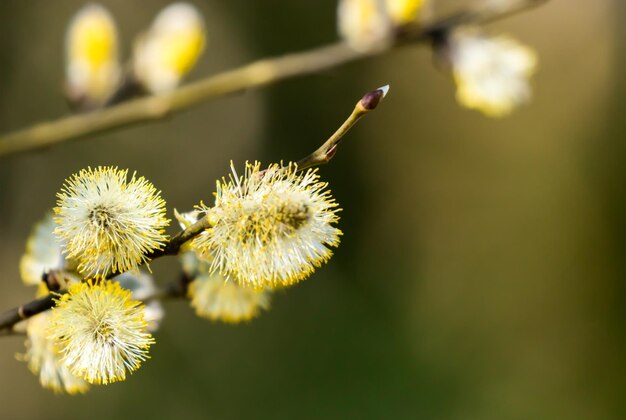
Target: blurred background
[(482, 271)]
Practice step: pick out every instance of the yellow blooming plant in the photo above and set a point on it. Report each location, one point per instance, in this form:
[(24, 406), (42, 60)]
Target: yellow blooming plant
[(110, 224), (270, 227), (43, 356), (267, 229), (101, 331)]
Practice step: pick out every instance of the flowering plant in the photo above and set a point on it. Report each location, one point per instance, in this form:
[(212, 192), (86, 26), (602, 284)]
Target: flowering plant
[(268, 227)]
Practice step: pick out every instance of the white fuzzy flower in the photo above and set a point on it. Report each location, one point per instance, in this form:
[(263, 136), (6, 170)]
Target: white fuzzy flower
[(101, 331), (270, 228), (109, 224)]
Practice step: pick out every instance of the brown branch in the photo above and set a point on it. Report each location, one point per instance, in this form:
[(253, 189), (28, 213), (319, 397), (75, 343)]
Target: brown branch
[(173, 245), (173, 290), (257, 74), (11, 317)]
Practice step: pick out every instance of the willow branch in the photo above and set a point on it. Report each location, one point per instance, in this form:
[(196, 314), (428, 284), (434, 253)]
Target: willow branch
[(257, 74), (11, 317), (173, 245), (328, 150)]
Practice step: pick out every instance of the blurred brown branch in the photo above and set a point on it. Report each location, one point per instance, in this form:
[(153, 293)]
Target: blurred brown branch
[(259, 73)]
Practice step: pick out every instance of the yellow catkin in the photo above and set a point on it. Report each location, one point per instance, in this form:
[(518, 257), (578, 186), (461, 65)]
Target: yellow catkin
[(108, 223), (270, 228), (101, 332)]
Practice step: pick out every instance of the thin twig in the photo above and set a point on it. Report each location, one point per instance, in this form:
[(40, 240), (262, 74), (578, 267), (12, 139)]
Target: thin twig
[(172, 290), (257, 74), (328, 150), (11, 317), (174, 244)]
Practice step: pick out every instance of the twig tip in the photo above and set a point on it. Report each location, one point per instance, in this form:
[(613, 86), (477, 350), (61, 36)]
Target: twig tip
[(371, 99)]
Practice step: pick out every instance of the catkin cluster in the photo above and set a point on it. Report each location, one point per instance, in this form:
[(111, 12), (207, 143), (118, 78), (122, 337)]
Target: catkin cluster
[(267, 228)]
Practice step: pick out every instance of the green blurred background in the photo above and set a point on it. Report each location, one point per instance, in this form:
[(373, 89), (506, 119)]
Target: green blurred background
[(482, 272)]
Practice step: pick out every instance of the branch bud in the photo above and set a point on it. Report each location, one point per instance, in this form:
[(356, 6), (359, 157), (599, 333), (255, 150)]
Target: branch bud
[(370, 100)]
